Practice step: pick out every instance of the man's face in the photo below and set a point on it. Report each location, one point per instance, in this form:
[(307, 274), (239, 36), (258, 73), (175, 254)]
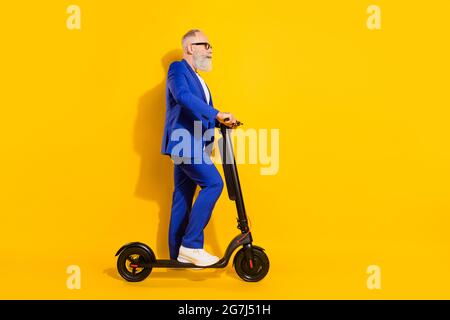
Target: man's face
[(201, 53)]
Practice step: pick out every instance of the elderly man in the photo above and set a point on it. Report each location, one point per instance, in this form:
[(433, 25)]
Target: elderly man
[(189, 108)]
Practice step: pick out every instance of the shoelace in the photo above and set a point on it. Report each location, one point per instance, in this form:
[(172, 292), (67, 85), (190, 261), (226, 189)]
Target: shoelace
[(202, 252)]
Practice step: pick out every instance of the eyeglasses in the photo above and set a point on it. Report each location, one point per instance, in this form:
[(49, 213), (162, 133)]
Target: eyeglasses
[(206, 44)]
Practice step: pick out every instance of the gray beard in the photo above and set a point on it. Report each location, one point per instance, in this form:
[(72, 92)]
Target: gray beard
[(203, 63)]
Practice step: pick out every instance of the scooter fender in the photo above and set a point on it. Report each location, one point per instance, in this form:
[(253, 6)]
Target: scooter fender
[(258, 247), (141, 245)]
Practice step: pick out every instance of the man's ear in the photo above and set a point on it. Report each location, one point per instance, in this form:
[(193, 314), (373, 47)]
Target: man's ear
[(189, 49)]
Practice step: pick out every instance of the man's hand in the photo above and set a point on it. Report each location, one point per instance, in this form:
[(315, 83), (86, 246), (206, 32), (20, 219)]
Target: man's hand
[(230, 122)]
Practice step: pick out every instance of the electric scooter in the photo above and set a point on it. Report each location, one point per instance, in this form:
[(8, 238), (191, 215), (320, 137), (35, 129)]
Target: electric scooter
[(136, 260)]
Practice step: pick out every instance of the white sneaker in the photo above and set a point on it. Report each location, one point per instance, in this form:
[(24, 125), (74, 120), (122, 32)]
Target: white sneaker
[(199, 257)]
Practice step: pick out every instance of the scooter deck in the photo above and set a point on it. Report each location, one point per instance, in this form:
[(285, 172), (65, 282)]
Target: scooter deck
[(172, 263)]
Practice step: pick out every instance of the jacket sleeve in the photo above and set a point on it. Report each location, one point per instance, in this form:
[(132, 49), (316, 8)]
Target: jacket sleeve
[(178, 85)]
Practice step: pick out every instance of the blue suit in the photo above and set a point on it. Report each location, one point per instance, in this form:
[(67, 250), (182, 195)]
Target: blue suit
[(185, 104)]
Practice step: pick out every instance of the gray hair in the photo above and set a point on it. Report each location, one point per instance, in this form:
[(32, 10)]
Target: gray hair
[(191, 33)]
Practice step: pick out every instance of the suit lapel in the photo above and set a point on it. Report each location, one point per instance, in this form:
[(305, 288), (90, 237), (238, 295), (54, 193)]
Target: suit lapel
[(196, 80), (210, 96)]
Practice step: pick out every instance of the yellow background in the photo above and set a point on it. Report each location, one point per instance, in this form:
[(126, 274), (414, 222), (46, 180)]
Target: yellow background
[(364, 146)]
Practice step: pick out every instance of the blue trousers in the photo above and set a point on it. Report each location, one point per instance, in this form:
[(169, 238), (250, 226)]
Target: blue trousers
[(187, 221)]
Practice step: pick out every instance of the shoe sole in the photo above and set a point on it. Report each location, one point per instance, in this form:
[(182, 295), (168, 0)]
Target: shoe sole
[(183, 259), (186, 260)]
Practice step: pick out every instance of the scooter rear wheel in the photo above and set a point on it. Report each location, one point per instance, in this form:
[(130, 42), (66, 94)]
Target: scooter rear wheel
[(130, 264), (252, 271)]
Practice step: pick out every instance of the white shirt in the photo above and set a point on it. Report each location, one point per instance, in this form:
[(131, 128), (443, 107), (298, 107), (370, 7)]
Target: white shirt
[(205, 88)]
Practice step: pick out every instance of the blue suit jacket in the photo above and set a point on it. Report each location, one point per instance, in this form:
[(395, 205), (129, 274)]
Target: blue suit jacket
[(186, 103)]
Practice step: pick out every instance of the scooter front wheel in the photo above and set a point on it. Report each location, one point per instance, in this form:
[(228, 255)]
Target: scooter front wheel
[(254, 270), (132, 262)]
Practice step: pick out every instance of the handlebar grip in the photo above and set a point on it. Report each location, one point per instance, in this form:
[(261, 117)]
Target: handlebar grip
[(238, 123)]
